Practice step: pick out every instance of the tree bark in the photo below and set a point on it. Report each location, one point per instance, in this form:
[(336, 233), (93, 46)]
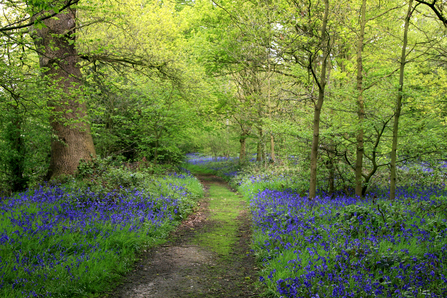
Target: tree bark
[(331, 169), (272, 139), (58, 58), (360, 104), (242, 153), (403, 59), (319, 104), (260, 151)]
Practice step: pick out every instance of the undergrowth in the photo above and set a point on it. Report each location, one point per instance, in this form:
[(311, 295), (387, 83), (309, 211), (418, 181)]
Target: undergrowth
[(76, 238), (339, 245)]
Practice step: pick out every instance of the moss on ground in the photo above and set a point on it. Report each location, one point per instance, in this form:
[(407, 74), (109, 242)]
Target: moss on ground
[(225, 206)]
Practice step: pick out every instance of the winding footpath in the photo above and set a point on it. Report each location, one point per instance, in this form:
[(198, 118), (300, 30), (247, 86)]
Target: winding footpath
[(207, 255)]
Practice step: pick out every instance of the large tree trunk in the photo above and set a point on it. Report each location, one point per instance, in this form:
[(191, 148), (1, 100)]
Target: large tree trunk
[(360, 105), (403, 61), (58, 58), (319, 105)]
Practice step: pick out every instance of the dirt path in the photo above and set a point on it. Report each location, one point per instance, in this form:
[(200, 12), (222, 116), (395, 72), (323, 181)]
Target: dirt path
[(207, 256)]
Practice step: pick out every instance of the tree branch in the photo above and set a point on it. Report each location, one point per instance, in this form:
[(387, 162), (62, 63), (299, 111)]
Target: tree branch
[(9, 28), (437, 11)]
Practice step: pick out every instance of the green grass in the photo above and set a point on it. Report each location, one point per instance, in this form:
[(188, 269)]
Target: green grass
[(69, 261), (225, 207), (198, 169)]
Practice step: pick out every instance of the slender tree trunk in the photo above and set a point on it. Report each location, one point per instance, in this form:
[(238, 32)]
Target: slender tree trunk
[(58, 57), (314, 149), (331, 169), (318, 105), (360, 104), (242, 153), (260, 148), (272, 139), (403, 59), (260, 151), (227, 137)]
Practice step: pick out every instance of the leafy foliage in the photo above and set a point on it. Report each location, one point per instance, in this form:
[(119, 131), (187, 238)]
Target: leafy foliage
[(74, 240)]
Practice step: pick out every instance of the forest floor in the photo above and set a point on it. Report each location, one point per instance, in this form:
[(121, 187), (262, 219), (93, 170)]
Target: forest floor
[(208, 255)]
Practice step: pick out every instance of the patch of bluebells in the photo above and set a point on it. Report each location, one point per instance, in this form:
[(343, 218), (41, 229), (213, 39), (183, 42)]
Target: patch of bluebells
[(180, 175), (186, 172), (345, 247), (328, 248), (197, 159), (49, 233), (231, 174), (223, 166)]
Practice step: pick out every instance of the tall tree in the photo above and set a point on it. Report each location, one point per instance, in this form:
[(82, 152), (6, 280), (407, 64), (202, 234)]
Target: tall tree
[(360, 102), (403, 62), (324, 44), (54, 38)]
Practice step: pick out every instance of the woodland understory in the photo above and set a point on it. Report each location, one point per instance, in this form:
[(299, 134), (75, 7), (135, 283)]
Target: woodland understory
[(335, 109)]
